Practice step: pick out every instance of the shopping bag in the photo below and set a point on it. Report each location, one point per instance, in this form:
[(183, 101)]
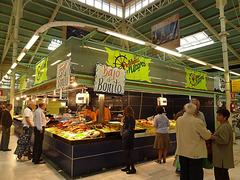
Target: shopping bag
[(176, 163), (207, 164)]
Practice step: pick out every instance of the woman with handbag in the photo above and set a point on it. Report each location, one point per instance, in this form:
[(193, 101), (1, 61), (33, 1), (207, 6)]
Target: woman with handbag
[(128, 139)]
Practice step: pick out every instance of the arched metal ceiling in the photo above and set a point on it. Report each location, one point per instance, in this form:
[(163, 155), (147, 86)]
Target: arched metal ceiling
[(39, 12)]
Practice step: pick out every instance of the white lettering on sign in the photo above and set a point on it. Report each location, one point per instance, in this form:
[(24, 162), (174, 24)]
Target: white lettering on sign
[(109, 80)]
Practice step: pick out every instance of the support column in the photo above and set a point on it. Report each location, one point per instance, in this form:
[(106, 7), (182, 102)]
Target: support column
[(101, 101), (17, 15), (221, 4)]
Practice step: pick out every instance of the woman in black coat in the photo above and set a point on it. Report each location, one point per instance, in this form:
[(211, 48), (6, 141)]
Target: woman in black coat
[(128, 139)]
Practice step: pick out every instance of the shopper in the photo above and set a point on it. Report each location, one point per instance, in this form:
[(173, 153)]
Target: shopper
[(191, 148), (223, 146), (6, 125), (161, 123), (128, 139), (2, 108), (40, 121), (198, 113), (24, 141)]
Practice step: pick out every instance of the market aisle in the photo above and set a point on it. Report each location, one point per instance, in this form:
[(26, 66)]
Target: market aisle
[(10, 169)]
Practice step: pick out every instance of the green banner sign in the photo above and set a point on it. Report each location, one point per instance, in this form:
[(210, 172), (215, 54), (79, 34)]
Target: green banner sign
[(196, 80), (41, 71), (22, 82), (136, 67)]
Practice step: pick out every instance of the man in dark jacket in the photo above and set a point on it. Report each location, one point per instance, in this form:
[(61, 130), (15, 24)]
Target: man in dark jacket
[(6, 125)]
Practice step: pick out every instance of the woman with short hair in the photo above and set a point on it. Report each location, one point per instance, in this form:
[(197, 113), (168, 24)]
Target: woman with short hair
[(222, 146)]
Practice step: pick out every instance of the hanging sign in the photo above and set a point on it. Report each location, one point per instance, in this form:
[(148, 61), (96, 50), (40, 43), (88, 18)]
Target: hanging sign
[(166, 33), (22, 82), (109, 80), (63, 74), (196, 80), (219, 84), (136, 67), (41, 71), (235, 85)]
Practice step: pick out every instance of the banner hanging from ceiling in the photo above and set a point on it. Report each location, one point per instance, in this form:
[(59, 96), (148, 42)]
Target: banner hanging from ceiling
[(109, 80), (166, 33), (63, 74), (196, 79), (22, 82), (136, 67), (41, 71), (219, 84)]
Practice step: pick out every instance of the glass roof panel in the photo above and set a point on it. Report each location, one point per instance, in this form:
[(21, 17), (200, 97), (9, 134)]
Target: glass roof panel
[(194, 41)]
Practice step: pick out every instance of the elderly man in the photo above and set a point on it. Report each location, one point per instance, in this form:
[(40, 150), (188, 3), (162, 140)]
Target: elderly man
[(6, 125), (191, 148), (198, 113), (40, 121)]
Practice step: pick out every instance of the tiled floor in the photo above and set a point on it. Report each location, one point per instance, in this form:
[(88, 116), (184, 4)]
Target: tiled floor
[(10, 169)]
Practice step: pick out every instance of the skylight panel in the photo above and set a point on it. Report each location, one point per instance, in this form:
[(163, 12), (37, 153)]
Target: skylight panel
[(105, 7), (82, 1), (144, 3), (98, 4), (54, 44), (194, 41), (113, 9), (138, 5), (127, 13), (119, 11), (90, 2), (132, 9)]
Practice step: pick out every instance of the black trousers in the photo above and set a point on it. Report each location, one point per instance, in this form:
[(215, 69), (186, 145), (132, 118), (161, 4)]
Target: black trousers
[(191, 169), (128, 152), (5, 138), (221, 173), (37, 147)]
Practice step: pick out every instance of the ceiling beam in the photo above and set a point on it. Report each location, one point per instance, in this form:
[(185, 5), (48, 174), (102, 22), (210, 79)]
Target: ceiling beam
[(208, 26), (54, 14), (8, 39), (194, 24)]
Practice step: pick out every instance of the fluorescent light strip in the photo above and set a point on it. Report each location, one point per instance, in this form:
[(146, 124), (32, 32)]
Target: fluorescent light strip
[(162, 49), (234, 73), (14, 65), (197, 61), (22, 54), (88, 47), (56, 62), (31, 42), (128, 38), (171, 80), (218, 68), (9, 71)]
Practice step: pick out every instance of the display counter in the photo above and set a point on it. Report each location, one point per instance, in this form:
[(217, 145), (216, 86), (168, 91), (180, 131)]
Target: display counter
[(81, 157)]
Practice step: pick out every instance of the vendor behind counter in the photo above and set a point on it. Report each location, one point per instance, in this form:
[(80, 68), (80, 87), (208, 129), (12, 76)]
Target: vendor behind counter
[(106, 114)]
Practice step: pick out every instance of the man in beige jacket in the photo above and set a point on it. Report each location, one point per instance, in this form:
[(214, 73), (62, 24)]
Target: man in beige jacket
[(223, 146), (191, 148)]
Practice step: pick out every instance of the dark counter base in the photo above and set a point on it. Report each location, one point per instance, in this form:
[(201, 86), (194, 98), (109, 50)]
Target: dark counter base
[(81, 159)]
